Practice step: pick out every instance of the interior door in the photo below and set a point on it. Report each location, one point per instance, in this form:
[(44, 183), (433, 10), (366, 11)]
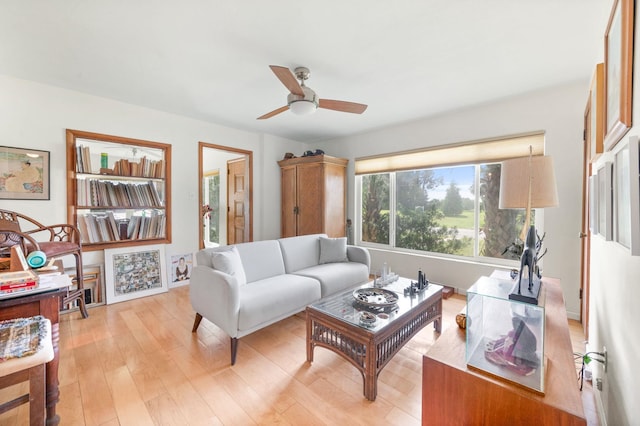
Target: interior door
[(585, 237), (237, 201)]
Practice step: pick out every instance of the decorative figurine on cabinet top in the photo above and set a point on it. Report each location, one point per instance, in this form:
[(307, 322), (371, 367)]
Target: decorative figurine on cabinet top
[(417, 287), (530, 258)]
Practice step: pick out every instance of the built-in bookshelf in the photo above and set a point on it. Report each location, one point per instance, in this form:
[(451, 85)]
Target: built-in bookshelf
[(118, 190)]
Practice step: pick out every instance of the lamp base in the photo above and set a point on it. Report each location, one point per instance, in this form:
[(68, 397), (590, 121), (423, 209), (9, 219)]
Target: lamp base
[(524, 294)]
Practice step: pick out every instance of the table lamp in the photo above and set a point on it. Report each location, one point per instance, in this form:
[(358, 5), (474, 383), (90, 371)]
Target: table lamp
[(526, 183)]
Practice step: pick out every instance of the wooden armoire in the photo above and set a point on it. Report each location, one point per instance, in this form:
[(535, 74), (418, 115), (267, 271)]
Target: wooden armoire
[(314, 191)]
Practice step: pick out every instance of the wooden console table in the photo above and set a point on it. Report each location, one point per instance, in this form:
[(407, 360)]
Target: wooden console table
[(45, 302), (455, 394)]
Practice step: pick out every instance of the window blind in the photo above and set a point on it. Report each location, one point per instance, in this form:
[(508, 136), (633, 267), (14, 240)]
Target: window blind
[(486, 151)]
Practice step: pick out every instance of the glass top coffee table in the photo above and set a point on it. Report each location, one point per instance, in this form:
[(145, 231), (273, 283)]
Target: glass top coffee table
[(368, 326)]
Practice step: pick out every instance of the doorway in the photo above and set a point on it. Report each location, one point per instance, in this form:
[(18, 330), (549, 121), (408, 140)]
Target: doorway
[(218, 198)]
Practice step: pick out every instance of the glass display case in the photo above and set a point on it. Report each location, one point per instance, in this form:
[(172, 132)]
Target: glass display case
[(505, 338)]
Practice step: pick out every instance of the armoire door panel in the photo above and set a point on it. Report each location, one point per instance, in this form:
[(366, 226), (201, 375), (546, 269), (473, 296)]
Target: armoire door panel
[(288, 225), (310, 199)]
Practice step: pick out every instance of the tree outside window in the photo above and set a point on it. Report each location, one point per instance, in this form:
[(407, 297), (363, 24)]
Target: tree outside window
[(375, 208)]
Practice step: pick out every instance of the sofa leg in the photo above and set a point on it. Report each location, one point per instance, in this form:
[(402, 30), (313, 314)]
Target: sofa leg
[(196, 323), (234, 349)]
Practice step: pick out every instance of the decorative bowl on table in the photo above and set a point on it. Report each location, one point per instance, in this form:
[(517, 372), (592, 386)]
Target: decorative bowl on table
[(375, 297), (367, 318)]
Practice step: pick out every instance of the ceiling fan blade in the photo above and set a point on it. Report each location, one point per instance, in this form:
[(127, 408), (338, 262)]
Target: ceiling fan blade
[(274, 112), (287, 78), (342, 106)]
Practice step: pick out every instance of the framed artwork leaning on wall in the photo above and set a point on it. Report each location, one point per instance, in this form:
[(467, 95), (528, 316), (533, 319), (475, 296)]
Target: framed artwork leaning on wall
[(133, 272)]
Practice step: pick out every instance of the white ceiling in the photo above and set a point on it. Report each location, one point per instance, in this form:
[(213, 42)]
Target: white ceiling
[(209, 59)]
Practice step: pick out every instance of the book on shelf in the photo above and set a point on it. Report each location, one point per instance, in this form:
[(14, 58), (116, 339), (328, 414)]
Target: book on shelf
[(105, 193), (115, 232), (123, 225), (83, 159), (134, 227), (142, 168), (122, 167)]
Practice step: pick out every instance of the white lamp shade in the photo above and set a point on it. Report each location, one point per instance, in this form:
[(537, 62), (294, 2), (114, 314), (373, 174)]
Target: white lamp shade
[(514, 183), (302, 107)]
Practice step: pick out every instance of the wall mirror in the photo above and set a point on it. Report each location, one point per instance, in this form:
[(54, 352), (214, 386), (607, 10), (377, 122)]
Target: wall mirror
[(225, 194)]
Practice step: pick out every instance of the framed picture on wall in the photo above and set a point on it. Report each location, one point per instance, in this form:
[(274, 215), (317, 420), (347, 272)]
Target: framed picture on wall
[(593, 204), (133, 272), (24, 174), (594, 114), (618, 72), (626, 196), (605, 202)]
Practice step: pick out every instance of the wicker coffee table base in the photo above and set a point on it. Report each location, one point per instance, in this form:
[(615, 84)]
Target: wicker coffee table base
[(370, 351)]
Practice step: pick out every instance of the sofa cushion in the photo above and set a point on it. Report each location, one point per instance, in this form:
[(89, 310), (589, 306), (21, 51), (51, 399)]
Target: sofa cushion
[(333, 250), (300, 252), (271, 299), (228, 260), (335, 277), (261, 259)]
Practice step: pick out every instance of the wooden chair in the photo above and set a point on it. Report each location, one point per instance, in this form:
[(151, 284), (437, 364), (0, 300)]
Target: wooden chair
[(54, 240), (29, 368)]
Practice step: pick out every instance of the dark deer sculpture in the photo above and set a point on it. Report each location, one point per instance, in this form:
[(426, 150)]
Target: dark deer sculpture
[(529, 258)]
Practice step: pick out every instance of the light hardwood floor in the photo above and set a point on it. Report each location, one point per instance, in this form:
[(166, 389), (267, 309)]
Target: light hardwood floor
[(137, 363)]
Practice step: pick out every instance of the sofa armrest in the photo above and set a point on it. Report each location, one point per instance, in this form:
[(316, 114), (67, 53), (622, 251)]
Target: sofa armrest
[(360, 255), (215, 296)]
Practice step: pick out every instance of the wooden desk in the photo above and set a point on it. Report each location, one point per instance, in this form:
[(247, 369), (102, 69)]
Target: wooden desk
[(45, 302), (454, 394)]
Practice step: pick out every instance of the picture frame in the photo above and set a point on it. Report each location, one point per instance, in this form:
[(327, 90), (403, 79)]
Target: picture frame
[(594, 115), (605, 201), (593, 204), (24, 174), (618, 72), (133, 272), (94, 287), (627, 196), (180, 266)]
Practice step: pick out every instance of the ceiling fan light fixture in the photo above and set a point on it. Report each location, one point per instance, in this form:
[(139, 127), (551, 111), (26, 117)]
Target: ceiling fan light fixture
[(302, 100), (302, 107)]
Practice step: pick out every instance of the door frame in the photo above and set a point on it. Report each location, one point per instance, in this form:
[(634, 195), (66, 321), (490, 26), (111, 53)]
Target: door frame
[(585, 231), (249, 154)]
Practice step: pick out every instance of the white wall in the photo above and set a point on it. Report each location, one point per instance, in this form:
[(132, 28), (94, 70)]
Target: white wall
[(615, 300), (556, 111), (35, 116)]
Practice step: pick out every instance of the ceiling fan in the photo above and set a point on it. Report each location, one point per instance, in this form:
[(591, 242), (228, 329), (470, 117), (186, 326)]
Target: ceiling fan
[(302, 100)]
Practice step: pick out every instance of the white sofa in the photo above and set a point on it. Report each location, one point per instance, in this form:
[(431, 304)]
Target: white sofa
[(245, 287)]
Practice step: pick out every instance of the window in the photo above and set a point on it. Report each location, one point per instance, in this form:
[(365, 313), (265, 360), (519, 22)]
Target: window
[(375, 208), (450, 209), (211, 208)]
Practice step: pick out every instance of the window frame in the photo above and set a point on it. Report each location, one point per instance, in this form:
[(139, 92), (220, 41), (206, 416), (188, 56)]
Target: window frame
[(476, 258)]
